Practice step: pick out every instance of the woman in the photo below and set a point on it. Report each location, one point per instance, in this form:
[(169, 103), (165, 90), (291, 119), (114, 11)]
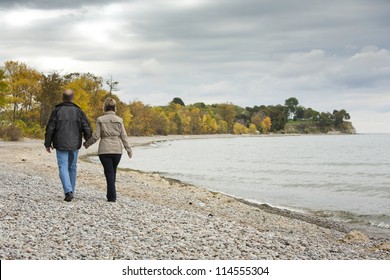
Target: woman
[(110, 129)]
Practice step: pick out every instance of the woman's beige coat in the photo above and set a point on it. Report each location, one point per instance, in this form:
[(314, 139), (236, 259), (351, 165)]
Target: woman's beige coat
[(110, 129)]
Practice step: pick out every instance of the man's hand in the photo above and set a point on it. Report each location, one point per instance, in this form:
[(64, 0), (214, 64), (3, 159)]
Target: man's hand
[(130, 154), (48, 149), (85, 145)]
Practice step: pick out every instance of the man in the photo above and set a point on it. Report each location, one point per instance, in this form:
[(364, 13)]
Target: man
[(64, 131)]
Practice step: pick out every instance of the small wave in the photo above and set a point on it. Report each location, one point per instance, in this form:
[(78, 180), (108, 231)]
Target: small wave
[(379, 221)]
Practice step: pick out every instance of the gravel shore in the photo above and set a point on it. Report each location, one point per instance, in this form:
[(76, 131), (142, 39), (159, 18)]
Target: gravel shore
[(153, 218)]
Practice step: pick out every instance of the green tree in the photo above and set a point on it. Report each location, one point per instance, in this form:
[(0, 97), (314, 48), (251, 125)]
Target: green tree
[(311, 114), (339, 117), (200, 105), (325, 121), (177, 100), (292, 105), (300, 113), (278, 116), (228, 113)]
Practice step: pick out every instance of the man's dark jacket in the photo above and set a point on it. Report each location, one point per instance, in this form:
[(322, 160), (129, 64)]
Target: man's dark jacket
[(66, 126)]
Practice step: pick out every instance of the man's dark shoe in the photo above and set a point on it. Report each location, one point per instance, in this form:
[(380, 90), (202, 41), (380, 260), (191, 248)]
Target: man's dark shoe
[(68, 196)]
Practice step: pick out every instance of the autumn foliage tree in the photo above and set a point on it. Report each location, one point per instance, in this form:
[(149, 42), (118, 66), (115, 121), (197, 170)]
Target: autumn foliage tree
[(27, 98)]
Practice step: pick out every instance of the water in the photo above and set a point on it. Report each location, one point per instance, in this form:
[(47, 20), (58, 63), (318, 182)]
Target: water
[(343, 177)]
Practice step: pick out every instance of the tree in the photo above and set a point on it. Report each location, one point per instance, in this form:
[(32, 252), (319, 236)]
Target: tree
[(243, 118), (159, 121), (291, 104), (257, 118), (3, 89), (252, 129), (325, 121), (278, 116), (177, 100), (195, 121), (24, 88), (222, 127), (310, 114), (199, 105), (266, 125), (52, 88), (81, 96), (299, 113), (209, 125), (228, 113), (239, 128), (178, 124), (141, 119), (27, 97), (112, 85), (89, 93), (339, 117)]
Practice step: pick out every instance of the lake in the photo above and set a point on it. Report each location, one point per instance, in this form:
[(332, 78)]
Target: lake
[(343, 177)]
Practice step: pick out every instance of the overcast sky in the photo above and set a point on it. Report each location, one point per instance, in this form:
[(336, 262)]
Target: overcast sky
[(329, 54)]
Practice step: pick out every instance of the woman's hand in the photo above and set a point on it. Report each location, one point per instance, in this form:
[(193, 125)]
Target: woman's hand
[(130, 154)]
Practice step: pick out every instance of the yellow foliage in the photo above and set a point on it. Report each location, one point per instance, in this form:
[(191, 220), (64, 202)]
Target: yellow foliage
[(209, 125), (81, 97), (252, 129), (222, 126), (127, 118), (29, 96), (266, 124), (239, 128), (23, 84)]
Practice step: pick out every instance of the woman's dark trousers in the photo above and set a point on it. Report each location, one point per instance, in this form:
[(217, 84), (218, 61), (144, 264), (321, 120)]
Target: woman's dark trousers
[(110, 163)]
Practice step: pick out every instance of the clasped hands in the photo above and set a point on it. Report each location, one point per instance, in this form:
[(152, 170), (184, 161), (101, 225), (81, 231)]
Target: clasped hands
[(129, 153)]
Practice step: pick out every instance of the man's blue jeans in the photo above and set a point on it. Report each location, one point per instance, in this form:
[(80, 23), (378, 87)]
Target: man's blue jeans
[(67, 165)]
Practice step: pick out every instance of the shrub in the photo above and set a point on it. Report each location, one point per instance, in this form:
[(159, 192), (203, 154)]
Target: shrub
[(34, 131), (30, 130), (12, 133)]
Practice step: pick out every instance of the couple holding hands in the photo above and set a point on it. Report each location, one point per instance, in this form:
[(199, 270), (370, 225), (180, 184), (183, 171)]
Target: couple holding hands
[(64, 131)]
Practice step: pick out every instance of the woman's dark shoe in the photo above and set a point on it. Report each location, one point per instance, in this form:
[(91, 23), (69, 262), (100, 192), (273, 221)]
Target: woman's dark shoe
[(68, 196)]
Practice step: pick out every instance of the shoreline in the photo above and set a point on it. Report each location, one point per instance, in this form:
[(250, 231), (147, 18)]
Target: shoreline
[(339, 225), (181, 221)]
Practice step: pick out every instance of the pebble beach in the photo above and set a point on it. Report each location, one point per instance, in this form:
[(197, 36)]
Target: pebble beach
[(153, 218)]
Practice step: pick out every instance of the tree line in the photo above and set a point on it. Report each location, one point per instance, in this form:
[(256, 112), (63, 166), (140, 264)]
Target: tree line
[(28, 96)]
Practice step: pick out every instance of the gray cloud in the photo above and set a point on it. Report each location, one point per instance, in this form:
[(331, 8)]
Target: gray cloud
[(249, 52), (52, 4)]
